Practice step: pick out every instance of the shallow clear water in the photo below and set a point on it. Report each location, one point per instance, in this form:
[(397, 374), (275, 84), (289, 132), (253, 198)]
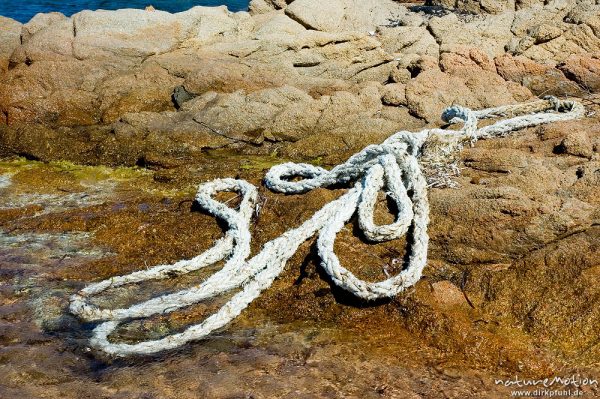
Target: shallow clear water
[(23, 10)]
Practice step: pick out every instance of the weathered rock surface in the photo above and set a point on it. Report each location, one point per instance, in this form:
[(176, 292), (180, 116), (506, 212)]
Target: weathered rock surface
[(97, 66), (10, 38), (476, 6), (539, 78), (344, 15), (510, 286), (584, 70), (490, 33)]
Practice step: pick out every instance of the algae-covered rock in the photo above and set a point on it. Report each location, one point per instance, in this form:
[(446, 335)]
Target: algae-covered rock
[(161, 102)]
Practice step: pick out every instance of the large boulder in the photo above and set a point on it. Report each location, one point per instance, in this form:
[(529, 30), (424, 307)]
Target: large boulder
[(266, 6), (541, 79), (551, 13), (490, 33), (46, 37), (341, 15), (128, 32), (10, 38), (287, 114), (433, 90), (583, 69), (475, 6), (404, 40), (148, 89), (257, 116), (576, 39), (39, 22), (277, 25), (586, 13), (141, 33), (317, 15), (54, 91)]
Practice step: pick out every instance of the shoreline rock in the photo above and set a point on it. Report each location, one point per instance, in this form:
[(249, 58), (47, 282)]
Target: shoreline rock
[(207, 93), (95, 67)]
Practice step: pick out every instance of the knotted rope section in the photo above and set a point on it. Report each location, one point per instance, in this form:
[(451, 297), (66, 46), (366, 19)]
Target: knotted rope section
[(400, 165)]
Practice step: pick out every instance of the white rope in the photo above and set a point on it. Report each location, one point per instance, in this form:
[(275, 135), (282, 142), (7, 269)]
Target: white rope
[(393, 165)]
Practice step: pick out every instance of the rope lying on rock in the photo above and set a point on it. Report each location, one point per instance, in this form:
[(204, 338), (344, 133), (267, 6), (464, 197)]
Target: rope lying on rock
[(393, 165)]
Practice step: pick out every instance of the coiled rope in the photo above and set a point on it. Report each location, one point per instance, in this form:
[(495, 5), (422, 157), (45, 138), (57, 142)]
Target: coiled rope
[(400, 165)]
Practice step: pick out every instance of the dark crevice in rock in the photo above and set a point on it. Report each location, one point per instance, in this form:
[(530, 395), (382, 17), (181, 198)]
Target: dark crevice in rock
[(430, 10), (180, 96), (573, 78), (371, 66), (219, 133), (559, 149), (438, 40), (28, 156), (141, 162), (306, 64), (414, 70)]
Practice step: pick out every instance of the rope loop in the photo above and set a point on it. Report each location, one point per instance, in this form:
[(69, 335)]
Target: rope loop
[(278, 177), (399, 165), (412, 211), (235, 244), (249, 194), (386, 173)]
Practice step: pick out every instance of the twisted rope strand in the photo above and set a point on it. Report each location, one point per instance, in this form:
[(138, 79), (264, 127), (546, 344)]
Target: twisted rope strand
[(397, 164)]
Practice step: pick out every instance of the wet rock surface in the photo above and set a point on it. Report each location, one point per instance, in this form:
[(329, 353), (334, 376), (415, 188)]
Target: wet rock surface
[(155, 103)]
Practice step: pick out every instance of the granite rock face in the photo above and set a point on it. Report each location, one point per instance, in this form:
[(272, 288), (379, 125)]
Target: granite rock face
[(10, 38), (510, 285), (95, 67)]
